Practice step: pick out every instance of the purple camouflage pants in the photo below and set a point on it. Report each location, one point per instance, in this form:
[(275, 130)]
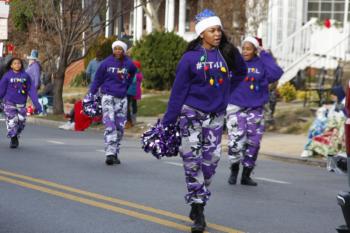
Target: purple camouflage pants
[(200, 150), (15, 118), (245, 128), (114, 117)]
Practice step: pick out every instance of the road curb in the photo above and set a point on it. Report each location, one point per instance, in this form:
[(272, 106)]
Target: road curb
[(52, 123), (274, 156), (285, 158), (39, 121)]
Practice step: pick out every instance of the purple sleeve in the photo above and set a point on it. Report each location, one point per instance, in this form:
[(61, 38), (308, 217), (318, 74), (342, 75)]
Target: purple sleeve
[(179, 92), (132, 71), (34, 72), (3, 85), (273, 71), (33, 95), (139, 77), (241, 68), (99, 78)]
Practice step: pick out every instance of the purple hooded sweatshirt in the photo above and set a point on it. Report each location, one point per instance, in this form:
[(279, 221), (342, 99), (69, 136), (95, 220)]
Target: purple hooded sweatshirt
[(253, 91), (207, 91), (34, 71), (15, 88), (114, 76)]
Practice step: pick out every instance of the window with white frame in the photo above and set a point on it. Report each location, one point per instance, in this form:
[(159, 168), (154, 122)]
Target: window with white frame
[(326, 9)]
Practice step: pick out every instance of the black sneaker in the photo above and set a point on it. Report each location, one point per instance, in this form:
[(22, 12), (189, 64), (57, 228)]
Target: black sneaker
[(14, 142), (110, 159), (116, 160)]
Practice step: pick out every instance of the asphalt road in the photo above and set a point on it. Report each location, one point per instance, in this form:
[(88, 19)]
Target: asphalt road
[(56, 181)]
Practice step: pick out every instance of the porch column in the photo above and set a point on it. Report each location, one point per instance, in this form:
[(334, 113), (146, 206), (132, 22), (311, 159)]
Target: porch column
[(169, 15), (182, 17), (149, 26)]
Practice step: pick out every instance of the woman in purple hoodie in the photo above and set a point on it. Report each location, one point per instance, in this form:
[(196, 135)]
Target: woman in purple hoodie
[(198, 100), (245, 109), (15, 86), (113, 77)]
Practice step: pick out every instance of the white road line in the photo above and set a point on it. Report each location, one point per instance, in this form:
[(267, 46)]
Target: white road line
[(102, 151), (271, 180), (55, 142), (2, 119), (174, 163), (257, 178)]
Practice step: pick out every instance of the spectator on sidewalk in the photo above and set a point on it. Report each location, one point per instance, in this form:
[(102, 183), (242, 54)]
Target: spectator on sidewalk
[(134, 94), (198, 101), (245, 111), (113, 78), (34, 69), (93, 66), (270, 107), (15, 87), (77, 120), (46, 94), (326, 134)]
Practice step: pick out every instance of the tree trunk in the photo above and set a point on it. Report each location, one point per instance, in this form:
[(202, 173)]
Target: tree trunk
[(58, 92), (152, 13)]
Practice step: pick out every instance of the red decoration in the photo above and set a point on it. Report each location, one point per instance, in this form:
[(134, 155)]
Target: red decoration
[(82, 121), (252, 79), (30, 110), (327, 23), (206, 68), (10, 48), (246, 79), (221, 81)]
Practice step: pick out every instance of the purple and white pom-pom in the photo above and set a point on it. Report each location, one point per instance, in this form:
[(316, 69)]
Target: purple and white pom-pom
[(92, 105), (162, 141)]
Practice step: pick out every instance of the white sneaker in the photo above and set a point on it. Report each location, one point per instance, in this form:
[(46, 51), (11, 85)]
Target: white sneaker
[(67, 126), (306, 153)]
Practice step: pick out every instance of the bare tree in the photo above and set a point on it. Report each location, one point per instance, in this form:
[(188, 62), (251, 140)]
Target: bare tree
[(232, 14), (62, 24), (256, 13), (152, 12)]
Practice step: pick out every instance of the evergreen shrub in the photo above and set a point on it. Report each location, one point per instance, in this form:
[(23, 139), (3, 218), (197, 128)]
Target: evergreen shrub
[(159, 53)]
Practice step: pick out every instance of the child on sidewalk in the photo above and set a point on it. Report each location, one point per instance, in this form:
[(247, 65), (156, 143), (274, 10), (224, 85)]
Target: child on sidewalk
[(15, 86), (134, 95)]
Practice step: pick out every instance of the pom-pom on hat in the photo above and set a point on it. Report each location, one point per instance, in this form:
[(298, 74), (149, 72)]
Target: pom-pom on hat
[(120, 44), (206, 19), (137, 64)]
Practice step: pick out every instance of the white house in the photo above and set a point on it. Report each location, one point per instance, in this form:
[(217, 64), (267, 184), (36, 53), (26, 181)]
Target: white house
[(174, 15), (304, 33)]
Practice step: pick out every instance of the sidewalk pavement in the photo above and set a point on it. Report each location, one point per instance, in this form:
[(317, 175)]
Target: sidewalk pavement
[(285, 147)]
